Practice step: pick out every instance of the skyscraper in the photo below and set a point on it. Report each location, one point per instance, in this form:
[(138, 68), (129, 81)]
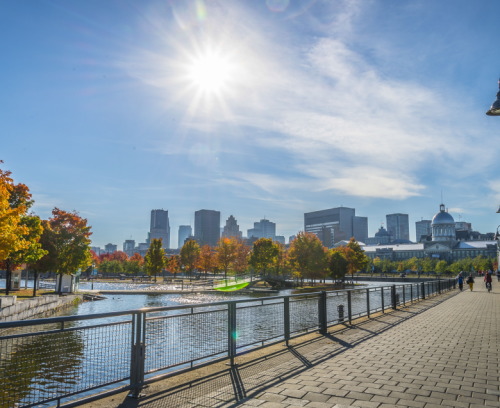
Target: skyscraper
[(231, 229), (160, 227), (207, 227), (398, 226), (423, 229), (336, 224), (185, 231), (129, 247), (262, 229)]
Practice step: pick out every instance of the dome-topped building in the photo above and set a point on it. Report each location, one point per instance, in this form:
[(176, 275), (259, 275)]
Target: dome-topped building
[(443, 226)]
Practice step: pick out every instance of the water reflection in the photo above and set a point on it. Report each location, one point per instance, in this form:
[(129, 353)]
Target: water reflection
[(42, 367)]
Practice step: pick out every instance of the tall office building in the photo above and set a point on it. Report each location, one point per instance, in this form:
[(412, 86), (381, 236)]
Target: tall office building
[(160, 227), (262, 229), (185, 231), (207, 227), (336, 224), (398, 226), (231, 229), (423, 230), (110, 248), (129, 247)]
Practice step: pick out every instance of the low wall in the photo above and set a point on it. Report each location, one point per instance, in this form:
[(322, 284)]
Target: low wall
[(13, 309)]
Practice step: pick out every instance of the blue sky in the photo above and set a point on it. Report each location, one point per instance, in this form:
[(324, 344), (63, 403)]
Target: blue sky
[(258, 109)]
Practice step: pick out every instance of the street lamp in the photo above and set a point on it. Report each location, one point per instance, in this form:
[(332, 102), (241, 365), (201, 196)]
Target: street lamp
[(497, 238), (495, 108)]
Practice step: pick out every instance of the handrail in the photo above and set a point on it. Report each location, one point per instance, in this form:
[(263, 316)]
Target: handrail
[(149, 345)]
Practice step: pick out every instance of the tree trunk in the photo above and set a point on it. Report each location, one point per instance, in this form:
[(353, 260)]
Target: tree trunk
[(35, 282), (8, 277)]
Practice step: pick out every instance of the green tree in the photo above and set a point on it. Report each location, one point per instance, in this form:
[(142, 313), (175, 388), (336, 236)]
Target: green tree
[(111, 267), (337, 265), (263, 255), (134, 265), (355, 256), (308, 256), (154, 261), (190, 253), (441, 267)]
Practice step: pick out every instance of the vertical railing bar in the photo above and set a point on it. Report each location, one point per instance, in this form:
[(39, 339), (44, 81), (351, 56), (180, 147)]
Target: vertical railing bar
[(368, 302), (322, 319), (286, 319), (383, 306), (349, 305)]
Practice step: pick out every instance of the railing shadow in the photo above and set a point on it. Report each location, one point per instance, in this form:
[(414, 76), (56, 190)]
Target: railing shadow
[(226, 386)]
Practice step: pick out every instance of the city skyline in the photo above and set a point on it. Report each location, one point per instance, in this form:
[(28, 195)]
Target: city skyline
[(412, 227), (261, 110)]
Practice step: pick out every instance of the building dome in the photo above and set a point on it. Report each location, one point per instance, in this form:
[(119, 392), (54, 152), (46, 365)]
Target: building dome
[(442, 217), (382, 232), (443, 226)]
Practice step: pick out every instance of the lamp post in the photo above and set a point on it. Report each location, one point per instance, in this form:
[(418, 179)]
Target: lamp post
[(495, 108), (497, 238)]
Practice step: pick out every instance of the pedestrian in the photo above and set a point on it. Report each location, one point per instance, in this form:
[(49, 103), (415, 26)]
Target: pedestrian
[(470, 282), (488, 281), (498, 275), (460, 281)]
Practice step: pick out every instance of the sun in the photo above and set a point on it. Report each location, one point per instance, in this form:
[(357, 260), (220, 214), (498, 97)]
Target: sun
[(211, 73)]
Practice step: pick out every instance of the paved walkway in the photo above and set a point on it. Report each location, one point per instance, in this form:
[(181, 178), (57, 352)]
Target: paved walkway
[(444, 351)]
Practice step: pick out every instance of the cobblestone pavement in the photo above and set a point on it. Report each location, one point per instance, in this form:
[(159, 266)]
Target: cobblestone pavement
[(443, 351)]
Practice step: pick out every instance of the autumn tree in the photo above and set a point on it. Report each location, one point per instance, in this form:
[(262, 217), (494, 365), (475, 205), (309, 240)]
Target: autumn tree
[(19, 232), (173, 263), (308, 256), (263, 255), (281, 266), (189, 255), (226, 254), (206, 260), (154, 261), (240, 263), (66, 238)]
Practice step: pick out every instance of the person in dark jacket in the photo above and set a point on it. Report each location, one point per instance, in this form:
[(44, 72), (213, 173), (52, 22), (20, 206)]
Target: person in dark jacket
[(470, 282), (460, 280)]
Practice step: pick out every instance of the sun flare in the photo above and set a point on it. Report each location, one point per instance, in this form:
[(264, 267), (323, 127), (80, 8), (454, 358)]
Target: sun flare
[(211, 73)]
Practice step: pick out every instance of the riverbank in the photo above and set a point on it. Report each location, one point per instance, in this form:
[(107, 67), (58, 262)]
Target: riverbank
[(12, 308)]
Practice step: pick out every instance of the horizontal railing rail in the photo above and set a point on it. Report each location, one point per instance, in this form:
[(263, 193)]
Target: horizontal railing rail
[(61, 360)]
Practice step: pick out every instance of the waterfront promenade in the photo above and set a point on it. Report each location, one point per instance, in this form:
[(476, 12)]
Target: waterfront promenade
[(443, 351)]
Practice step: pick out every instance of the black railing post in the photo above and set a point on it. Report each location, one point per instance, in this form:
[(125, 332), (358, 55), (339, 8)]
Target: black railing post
[(286, 319), (404, 295), (423, 290), (322, 317), (411, 293), (393, 297), (231, 332), (368, 302), (382, 299), (439, 286), (349, 306), (138, 354)]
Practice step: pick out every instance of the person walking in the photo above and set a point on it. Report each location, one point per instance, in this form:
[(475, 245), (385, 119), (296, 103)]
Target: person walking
[(470, 282), (488, 280), (460, 280)]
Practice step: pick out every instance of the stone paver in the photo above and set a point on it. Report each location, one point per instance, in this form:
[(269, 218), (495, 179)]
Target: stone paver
[(444, 351)]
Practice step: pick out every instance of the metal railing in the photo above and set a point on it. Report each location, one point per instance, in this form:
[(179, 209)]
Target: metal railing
[(63, 359)]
